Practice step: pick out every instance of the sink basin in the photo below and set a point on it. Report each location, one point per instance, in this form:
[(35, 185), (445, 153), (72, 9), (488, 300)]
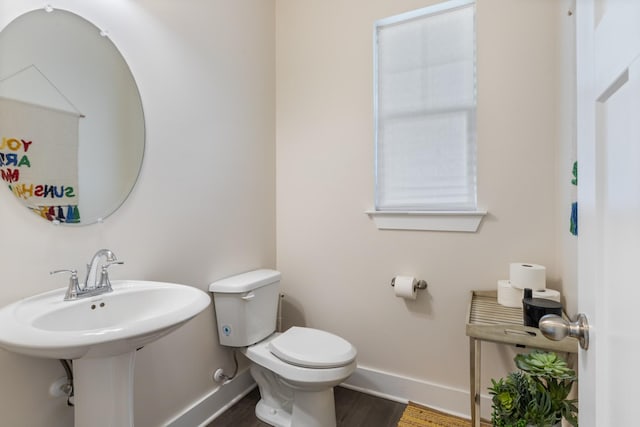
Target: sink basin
[(101, 334), (134, 314)]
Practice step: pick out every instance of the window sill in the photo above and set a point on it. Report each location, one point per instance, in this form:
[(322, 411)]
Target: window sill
[(465, 221)]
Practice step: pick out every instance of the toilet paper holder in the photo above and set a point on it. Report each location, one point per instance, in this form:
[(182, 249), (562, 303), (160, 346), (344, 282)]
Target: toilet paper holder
[(420, 284)]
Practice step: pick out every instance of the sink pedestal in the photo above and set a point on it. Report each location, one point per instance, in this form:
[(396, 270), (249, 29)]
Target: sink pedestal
[(103, 390)]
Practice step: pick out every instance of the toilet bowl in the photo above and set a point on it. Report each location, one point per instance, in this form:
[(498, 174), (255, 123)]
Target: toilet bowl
[(295, 370), (292, 394)]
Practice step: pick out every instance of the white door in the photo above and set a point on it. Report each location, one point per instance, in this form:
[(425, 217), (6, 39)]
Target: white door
[(608, 132)]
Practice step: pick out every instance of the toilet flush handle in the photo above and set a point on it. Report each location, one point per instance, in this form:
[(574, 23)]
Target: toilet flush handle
[(248, 296)]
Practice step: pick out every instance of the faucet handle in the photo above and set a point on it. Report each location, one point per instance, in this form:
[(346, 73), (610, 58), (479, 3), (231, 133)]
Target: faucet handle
[(73, 272), (104, 276), (74, 287)]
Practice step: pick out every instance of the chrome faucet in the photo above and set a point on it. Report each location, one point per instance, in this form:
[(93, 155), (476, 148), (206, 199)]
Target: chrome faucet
[(92, 284), (91, 281)]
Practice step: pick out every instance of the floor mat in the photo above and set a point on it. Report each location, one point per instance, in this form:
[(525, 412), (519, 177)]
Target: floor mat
[(420, 416)]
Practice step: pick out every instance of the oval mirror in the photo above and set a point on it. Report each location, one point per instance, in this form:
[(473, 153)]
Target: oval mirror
[(71, 118)]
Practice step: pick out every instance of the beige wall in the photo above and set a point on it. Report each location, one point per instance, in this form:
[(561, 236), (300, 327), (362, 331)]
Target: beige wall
[(203, 209), (204, 206), (336, 265)]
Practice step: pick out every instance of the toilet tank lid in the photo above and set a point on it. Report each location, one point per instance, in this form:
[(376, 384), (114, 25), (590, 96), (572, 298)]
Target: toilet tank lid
[(245, 282)]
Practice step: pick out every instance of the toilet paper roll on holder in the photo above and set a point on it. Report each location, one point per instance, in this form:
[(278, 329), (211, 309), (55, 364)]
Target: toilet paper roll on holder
[(420, 284)]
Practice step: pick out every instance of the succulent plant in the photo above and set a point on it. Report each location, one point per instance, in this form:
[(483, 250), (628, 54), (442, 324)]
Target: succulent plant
[(536, 395)]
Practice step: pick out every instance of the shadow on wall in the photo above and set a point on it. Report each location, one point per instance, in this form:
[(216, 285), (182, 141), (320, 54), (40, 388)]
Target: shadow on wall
[(291, 313), (421, 306)]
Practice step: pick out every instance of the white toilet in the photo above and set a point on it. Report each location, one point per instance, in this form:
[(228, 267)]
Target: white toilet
[(295, 370)]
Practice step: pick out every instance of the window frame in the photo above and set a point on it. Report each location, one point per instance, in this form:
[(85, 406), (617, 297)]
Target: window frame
[(415, 219)]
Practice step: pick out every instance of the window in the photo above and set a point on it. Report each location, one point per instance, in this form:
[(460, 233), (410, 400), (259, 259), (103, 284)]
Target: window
[(425, 111)]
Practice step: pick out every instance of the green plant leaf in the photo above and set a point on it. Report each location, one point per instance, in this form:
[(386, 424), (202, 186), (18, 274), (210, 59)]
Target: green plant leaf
[(535, 395)]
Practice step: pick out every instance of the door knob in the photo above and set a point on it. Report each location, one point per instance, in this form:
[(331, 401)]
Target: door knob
[(556, 328)]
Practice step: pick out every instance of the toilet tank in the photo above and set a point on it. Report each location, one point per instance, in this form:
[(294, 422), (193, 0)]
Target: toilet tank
[(246, 306)]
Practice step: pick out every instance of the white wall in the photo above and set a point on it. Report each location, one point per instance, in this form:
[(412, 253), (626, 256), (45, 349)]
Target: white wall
[(203, 208), (336, 265)]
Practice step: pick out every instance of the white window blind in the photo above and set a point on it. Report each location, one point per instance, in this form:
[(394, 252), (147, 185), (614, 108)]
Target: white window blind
[(425, 109)]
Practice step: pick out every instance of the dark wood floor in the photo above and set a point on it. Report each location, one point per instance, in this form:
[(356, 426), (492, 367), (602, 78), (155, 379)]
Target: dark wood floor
[(353, 409)]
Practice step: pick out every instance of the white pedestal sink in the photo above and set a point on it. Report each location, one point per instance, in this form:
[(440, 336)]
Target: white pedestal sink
[(101, 335)]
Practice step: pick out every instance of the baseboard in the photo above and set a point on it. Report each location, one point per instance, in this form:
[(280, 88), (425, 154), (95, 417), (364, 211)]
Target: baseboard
[(403, 389), (366, 380), (211, 405)]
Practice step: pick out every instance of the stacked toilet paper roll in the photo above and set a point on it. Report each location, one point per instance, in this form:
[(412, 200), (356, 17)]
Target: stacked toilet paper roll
[(521, 276), (508, 295), (524, 275), (551, 294)]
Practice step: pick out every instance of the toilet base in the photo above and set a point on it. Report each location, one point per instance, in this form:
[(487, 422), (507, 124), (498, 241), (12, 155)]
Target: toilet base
[(272, 416), (310, 409), (314, 409), (283, 405)]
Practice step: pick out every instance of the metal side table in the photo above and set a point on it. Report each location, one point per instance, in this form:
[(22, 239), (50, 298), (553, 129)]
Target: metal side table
[(489, 321)]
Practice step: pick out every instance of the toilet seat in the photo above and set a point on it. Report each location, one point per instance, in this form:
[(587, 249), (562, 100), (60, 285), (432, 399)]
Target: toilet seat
[(260, 354), (312, 348)]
